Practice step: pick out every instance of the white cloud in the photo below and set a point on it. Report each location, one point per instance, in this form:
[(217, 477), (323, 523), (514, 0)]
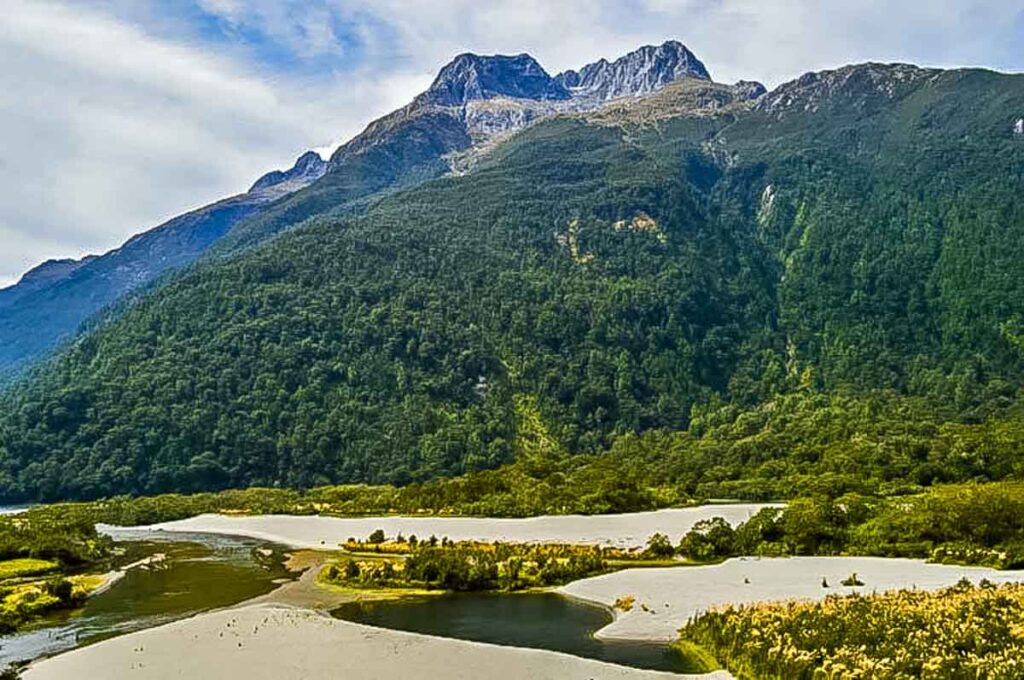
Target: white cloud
[(111, 121), (770, 40), (106, 131), (229, 9)]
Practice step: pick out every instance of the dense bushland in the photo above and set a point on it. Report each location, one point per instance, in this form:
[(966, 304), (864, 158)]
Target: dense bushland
[(965, 524)]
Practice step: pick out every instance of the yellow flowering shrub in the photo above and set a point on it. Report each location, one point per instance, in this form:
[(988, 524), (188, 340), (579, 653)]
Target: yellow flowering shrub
[(959, 632)]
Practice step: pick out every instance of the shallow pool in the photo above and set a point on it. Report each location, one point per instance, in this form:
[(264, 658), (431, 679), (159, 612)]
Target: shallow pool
[(535, 620)]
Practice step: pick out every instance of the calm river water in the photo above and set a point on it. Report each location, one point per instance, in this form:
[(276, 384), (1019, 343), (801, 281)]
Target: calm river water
[(200, 572), (535, 620)]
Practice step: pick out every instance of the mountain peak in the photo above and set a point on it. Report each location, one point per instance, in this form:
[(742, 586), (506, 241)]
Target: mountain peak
[(308, 168), (471, 77), (41, 276), (642, 71)]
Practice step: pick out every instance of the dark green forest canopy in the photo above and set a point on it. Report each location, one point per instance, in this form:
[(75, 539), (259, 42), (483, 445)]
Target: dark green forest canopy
[(849, 254)]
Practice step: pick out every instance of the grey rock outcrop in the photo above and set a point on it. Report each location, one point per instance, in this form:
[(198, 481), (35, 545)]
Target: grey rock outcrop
[(640, 72)]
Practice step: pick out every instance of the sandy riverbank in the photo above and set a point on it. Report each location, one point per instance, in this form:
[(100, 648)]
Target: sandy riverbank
[(271, 642), (623, 531), (666, 598)]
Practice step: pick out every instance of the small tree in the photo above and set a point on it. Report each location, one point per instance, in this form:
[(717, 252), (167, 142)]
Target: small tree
[(760, 534), (852, 580), (377, 536), (659, 545), (60, 588), (351, 570), (708, 540)]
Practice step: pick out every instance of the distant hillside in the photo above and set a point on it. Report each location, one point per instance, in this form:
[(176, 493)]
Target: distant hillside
[(599, 274), (51, 302)]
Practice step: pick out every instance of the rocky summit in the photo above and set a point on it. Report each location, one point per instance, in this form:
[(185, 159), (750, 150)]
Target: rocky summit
[(472, 77), (640, 72)]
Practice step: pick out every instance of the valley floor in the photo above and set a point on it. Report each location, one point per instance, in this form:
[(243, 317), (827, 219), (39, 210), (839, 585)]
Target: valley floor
[(288, 633)]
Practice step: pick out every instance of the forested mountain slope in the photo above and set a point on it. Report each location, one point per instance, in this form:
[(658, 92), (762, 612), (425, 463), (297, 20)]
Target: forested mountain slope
[(857, 231), (40, 311), (473, 99)]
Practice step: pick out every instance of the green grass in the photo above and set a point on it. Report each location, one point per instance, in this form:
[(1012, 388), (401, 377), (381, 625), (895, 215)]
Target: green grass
[(640, 563), (25, 566), (696, 659)]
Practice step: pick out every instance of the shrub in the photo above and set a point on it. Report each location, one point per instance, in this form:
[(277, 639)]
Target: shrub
[(659, 545), (959, 632)]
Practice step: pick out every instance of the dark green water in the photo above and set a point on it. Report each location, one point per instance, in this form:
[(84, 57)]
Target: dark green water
[(200, 572), (535, 620)]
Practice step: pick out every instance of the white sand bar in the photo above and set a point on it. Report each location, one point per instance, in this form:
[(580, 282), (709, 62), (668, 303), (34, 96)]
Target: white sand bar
[(623, 531), (673, 595), (268, 642)]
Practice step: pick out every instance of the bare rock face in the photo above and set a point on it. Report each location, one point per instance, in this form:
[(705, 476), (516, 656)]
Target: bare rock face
[(487, 118), (640, 72), (749, 89), (472, 77), (496, 95)]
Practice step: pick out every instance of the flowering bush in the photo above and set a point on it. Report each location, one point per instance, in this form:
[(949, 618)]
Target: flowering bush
[(959, 632)]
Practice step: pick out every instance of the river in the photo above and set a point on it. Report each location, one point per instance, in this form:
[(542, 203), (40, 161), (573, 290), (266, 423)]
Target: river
[(210, 564), (198, 573), (535, 620)]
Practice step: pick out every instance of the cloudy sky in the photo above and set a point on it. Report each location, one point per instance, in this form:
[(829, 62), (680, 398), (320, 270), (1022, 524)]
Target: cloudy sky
[(118, 114)]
